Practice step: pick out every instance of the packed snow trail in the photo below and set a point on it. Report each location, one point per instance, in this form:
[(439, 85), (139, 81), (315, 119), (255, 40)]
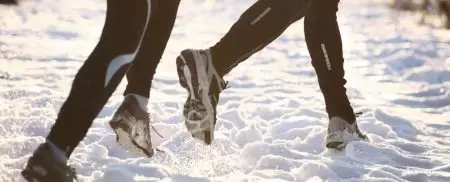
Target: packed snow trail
[(272, 121)]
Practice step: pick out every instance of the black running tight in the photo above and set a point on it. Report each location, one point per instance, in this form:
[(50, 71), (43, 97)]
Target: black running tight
[(132, 42), (267, 19)]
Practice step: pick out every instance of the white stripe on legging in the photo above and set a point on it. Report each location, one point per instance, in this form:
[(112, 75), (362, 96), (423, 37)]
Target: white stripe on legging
[(124, 59), (327, 60)]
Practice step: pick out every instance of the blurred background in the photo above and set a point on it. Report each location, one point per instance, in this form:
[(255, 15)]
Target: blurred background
[(434, 12)]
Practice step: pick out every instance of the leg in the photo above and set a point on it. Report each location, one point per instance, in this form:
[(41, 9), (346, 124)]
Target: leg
[(325, 47), (258, 26), (155, 39), (93, 85), (200, 72), (131, 122), (98, 78)]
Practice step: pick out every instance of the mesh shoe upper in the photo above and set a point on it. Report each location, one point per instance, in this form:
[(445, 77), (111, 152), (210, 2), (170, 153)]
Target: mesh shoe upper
[(131, 125), (44, 165)]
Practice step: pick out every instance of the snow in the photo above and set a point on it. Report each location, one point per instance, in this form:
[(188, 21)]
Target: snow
[(271, 127)]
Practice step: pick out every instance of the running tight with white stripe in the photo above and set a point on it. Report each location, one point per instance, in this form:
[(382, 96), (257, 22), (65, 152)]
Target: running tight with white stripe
[(267, 19), (132, 42)]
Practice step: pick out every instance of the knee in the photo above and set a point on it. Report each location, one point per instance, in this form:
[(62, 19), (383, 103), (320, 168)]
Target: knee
[(321, 12), (324, 7)]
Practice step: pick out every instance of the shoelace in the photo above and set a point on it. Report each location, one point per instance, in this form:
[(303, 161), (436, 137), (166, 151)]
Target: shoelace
[(160, 135), (360, 134), (226, 85), (358, 114), (156, 131)]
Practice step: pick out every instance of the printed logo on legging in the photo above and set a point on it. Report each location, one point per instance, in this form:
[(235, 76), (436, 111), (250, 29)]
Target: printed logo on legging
[(325, 54)]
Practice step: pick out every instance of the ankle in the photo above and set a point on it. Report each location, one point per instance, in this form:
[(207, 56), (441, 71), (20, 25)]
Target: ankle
[(59, 153), (348, 119), (217, 62), (142, 101)]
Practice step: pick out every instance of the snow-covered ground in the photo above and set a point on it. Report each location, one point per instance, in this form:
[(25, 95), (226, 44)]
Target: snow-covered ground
[(272, 121)]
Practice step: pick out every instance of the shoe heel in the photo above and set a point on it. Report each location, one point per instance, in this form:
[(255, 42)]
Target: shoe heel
[(180, 70), (27, 175)]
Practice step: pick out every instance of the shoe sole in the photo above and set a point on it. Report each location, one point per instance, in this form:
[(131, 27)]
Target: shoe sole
[(28, 175), (189, 81), (36, 173), (124, 138), (336, 145), (342, 140)]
